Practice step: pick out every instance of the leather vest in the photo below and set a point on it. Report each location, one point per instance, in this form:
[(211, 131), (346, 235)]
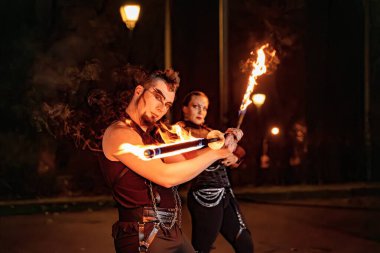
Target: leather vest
[(129, 189)]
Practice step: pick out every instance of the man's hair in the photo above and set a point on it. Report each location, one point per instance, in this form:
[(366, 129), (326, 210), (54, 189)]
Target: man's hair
[(186, 100), (169, 76), (86, 124), (129, 76)]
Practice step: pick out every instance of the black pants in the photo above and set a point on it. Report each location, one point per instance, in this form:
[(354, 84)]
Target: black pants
[(126, 240), (207, 222)]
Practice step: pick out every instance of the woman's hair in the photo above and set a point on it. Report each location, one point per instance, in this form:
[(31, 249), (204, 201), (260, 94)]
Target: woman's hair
[(186, 100)]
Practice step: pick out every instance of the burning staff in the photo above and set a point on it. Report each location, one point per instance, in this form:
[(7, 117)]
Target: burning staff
[(258, 68), (152, 152), (215, 140)]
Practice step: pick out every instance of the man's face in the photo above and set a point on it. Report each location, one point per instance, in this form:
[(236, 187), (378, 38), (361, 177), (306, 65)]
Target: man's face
[(155, 102), (196, 111)]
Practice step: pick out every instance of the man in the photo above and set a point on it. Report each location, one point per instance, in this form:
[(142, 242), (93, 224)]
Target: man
[(145, 191), (211, 202)]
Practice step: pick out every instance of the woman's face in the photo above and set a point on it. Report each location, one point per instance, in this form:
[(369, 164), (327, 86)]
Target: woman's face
[(196, 110)]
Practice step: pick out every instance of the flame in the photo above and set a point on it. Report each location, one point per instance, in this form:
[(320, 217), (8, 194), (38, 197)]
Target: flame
[(173, 135), (258, 68)]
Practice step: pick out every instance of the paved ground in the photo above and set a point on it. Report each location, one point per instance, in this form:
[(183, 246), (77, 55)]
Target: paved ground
[(351, 195), (303, 218), (275, 229)]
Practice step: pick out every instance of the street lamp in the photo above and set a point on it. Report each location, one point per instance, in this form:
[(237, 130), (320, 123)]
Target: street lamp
[(275, 131), (258, 99), (130, 14)]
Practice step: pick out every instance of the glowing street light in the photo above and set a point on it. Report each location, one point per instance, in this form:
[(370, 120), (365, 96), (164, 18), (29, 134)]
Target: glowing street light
[(130, 14), (275, 130), (264, 158), (258, 99)]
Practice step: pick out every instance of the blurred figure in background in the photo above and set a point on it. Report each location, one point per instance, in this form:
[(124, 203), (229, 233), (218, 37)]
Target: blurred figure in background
[(299, 150)]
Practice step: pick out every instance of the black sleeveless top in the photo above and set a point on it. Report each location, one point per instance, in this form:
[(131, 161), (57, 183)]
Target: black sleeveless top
[(214, 176), (129, 189)]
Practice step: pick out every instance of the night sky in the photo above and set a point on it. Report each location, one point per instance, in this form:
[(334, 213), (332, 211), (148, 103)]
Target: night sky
[(49, 47)]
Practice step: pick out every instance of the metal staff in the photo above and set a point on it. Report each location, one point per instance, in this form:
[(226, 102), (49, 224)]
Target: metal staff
[(214, 140), (241, 117), (152, 152)]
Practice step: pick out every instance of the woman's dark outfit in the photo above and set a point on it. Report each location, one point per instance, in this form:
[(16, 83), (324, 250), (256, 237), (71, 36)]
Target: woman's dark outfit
[(213, 206), (146, 223)]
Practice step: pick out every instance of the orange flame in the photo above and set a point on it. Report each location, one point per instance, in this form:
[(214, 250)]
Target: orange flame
[(258, 68), (172, 136)]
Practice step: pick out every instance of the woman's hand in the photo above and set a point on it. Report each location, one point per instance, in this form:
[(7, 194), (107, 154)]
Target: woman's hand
[(236, 132), (230, 160), (230, 142), (232, 136)]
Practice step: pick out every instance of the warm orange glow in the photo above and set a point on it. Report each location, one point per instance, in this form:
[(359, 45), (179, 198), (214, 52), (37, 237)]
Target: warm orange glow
[(130, 15), (258, 99), (275, 130), (171, 137), (258, 68), (139, 150), (175, 134)]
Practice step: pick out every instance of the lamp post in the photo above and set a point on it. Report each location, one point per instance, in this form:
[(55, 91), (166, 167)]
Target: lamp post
[(130, 14), (258, 99), (223, 61)]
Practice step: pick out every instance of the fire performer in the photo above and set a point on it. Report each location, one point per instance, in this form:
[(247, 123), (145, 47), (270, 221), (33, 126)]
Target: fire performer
[(146, 190), (211, 201)]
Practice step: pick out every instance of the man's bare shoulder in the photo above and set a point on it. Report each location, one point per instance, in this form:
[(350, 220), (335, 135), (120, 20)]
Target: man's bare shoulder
[(117, 134), (121, 132)]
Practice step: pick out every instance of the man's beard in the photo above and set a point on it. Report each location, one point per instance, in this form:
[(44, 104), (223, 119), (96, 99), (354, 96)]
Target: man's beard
[(147, 121)]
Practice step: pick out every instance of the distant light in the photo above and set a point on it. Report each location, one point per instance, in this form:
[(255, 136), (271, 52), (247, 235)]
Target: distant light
[(258, 99), (275, 130), (130, 14)]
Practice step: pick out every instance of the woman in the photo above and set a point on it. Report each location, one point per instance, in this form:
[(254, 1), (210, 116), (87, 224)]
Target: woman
[(211, 202)]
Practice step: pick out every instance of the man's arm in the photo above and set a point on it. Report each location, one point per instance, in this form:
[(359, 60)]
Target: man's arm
[(155, 170)]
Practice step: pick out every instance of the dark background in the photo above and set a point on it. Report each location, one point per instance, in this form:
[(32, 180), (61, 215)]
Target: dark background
[(55, 51)]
